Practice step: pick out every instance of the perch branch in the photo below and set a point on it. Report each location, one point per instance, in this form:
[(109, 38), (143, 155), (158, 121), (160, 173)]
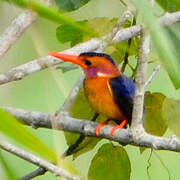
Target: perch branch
[(123, 136), (36, 160)]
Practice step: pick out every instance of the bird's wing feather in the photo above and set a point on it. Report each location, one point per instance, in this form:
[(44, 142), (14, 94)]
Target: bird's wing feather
[(123, 90)]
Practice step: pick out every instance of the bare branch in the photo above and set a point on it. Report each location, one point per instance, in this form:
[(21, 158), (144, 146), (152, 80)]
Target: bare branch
[(123, 136), (36, 160), (138, 108), (31, 67), (15, 30), (166, 20), (126, 14), (169, 18), (155, 71)]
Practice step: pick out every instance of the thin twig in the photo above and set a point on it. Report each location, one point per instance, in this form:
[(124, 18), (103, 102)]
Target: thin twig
[(125, 61), (126, 14), (37, 161), (155, 71)]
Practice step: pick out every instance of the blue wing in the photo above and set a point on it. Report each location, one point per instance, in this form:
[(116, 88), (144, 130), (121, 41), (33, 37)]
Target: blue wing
[(123, 90)]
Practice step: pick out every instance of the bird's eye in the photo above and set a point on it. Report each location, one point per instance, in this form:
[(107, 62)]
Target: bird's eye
[(87, 62)]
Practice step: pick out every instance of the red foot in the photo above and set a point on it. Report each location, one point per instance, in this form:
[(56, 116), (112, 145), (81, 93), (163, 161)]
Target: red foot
[(123, 123), (100, 125)]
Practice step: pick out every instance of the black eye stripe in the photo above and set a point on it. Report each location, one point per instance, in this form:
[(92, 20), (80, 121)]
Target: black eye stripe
[(87, 62)]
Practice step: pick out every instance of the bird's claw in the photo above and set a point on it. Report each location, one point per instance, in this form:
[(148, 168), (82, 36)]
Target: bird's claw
[(100, 125), (119, 126)]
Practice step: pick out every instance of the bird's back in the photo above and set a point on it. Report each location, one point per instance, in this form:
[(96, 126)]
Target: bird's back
[(123, 90)]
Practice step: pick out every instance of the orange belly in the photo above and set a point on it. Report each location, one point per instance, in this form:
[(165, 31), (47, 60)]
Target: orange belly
[(98, 93)]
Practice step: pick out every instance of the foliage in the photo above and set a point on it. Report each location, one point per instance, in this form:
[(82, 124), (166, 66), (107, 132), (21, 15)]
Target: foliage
[(70, 5), (12, 128), (9, 174), (171, 114), (101, 26), (170, 6), (154, 122), (161, 41), (52, 14), (111, 162)]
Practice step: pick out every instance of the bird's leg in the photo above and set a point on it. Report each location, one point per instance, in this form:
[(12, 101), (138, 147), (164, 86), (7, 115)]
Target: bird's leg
[(121, 125), (100, 125)]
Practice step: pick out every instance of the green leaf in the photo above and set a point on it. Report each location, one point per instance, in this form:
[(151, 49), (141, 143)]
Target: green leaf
[(80, 108), (162, 42), (170, 6), (66, 33), (15, 130), (52, 14), (174, 35), (171, 112), (154, 121), (111, 162), (101, 26), (12, 128), (8, 171), (70, 5)]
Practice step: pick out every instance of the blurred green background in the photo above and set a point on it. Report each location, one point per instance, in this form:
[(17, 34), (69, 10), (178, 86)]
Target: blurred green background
[(47, 90)]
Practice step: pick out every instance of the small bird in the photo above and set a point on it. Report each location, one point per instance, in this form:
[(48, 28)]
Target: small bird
[(107, 89)]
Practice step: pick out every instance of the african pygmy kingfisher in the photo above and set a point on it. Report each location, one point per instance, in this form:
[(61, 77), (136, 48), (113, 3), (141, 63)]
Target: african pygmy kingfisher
[(108, 91)]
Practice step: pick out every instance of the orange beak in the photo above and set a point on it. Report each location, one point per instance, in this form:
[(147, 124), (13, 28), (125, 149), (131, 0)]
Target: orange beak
[(70, 58)]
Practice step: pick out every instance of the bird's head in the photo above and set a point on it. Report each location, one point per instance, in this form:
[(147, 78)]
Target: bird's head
[(94, 64)]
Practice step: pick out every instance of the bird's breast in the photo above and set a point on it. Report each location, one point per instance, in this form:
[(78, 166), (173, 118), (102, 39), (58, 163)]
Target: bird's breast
[(98, 93)]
